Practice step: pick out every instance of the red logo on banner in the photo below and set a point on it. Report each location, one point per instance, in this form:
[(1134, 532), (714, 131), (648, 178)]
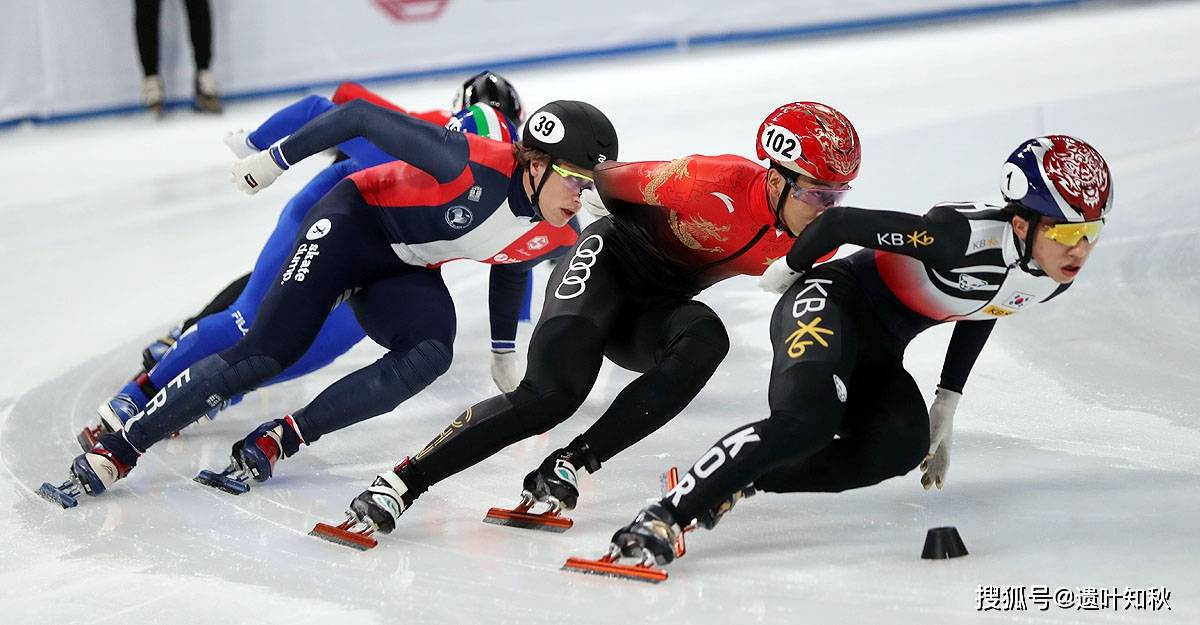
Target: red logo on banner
[(413, 10)]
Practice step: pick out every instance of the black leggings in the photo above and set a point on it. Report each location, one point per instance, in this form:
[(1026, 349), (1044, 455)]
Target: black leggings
[(146, 14), (590, 312), (836, 371)]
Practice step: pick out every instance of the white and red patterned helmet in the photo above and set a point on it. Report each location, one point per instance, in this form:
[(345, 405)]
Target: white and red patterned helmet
[(813, 139), (1060, 177)]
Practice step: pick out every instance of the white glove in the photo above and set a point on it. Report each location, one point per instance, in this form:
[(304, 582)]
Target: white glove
[(941, 433), (253, 173), (592, 203), (507, 370), (238, 142), (778, 277)]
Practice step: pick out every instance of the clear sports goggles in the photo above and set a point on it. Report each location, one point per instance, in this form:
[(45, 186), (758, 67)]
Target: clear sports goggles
[(576, 181), (819, 195)]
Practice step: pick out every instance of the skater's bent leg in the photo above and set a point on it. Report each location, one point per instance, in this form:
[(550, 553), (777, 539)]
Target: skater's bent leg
[(815, 336), (195, 391), (221, 330), (412, 315), (210, 335), (565, 354), (741, 456), (886, 435), (685, 342), (340, 333), (351, 253), (582, 301), (373, 390)]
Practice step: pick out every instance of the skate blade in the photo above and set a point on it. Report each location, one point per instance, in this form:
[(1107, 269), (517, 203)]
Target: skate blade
[(610, 568), (546, 521), (55, 495), (221, 482), (87, 439), (341, 536)]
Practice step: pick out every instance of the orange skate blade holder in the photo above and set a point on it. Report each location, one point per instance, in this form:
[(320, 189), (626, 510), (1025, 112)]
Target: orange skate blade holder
[(669, 480), (520, 517), (342, 534), (607, 565)]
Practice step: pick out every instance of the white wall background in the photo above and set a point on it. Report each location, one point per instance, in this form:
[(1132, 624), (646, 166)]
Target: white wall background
[(68, 57)]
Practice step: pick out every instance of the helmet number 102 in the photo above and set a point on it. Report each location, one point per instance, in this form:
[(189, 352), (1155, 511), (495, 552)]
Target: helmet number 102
[(779, 142)]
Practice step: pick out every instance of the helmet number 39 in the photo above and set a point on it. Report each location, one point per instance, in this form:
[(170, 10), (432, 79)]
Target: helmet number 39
[(547, 126), (780, 143)]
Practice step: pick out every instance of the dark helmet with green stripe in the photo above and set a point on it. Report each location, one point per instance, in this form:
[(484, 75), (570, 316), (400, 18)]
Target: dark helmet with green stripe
[(485, 121)]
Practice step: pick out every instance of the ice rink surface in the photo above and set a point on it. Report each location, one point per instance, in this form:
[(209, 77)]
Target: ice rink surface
[(1076, 451)]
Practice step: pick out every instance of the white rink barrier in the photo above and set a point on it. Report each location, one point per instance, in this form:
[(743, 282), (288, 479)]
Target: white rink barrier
[(64, 59)]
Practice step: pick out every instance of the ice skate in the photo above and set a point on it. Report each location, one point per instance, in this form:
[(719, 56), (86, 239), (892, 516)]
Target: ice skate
[(255, 456), (152, 94), (207, 98), (652, 540), (113, 415), (92, 473), (554, 484), (376, 509)]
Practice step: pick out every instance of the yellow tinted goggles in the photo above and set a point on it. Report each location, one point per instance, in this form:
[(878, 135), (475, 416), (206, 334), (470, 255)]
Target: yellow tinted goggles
[(1069, 234)]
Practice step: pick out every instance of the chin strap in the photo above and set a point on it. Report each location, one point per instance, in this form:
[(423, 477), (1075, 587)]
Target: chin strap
[(537, 189), (780, 224), (1026, 262)]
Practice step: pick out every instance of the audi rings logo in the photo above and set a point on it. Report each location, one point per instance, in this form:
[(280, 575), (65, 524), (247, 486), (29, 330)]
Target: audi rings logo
[(574, 283)]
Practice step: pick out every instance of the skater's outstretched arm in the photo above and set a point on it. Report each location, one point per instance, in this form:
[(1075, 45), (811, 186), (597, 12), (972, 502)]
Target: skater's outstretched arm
[(938, 236), (287, 120), (439, 152)]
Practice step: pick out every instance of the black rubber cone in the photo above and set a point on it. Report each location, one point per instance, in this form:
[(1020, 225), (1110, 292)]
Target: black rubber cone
[(942, 543)]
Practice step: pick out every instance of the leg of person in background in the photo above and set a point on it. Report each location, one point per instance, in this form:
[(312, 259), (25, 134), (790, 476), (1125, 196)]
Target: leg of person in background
[(412, 315), (155, 351), (349, 252), (340, 333), (565, 354), (200, 29), (146, 26), (223, 300), (818, 329), (885, 434), (221, 330), (676, 344)]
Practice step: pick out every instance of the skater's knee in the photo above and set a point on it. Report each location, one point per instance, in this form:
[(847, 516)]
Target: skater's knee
[(245, 373), (256, 346), (421, 365), (710, 336), (704, 343), (393, 379), (540, 410), (809, 426)]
